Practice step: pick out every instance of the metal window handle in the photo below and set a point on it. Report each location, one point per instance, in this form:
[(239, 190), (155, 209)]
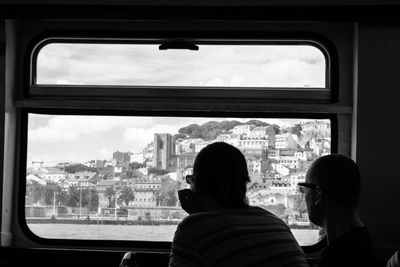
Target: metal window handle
[(129, 260), (178, 45)]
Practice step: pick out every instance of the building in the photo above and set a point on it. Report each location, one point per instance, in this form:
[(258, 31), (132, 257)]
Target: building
[(320, 146), (121, 157), (137, 157), (264, 131), (243, 129), (256, 164), (84, 179), (31, 178), (285, 141), (147, 183), (185, 160), (202, 145), (102, 185), (148, 152), (52, 175), (279, 168), (95, 163), (224, 137), (273, 152), (163, 151), (297, 177), (312, 129), (253, 142), (187, 145), (144, 198), (101, 188), (290, 162)]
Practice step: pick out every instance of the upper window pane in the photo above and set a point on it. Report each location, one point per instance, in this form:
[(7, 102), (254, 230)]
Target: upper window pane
[(213, 65)]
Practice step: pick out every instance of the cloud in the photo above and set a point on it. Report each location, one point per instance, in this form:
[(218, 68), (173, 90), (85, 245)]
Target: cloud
[(260, 66), (104, 153), (49, 135)]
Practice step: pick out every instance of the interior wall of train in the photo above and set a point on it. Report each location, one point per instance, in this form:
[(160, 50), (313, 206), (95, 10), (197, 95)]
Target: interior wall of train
[(364, 34)]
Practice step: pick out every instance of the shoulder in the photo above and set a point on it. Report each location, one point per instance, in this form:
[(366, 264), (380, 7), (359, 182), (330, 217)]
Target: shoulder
[(197, 218), (243, 216), (356, 247)]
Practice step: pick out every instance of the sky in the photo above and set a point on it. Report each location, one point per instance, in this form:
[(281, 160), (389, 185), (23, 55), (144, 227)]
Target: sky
[(55, 138), (211, 65)]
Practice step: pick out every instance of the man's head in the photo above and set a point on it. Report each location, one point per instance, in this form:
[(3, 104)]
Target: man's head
[(333, 183), (220, 172)]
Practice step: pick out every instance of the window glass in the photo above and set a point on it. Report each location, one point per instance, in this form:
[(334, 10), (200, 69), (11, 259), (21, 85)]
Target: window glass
[(116, 177), (233, 65)]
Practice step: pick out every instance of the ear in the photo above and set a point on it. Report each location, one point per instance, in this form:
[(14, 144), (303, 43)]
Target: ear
[(319, 196)]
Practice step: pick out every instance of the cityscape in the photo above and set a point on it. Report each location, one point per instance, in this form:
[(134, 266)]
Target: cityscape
[(140, 188)]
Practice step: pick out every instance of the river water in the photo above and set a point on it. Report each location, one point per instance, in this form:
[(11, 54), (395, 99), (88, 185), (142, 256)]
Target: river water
[(305, 237)]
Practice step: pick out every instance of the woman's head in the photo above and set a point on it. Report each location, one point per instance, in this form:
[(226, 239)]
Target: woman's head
[(220, 172)]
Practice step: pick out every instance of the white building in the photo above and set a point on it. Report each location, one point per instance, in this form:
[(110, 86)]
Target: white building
[(280, 168), (147, 183), (144, 198), (202, 145), (285, 141), (253, 142), (256, 164), (243, 129), (289, 161), (187, 145), (30, 178), (52, 175), (223, 137), (297, 177), (320, 146), (313, 129), (137, 157), (264, 131)]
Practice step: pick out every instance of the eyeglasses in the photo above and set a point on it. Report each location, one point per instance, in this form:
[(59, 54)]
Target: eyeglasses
[(302, 187), (189, 178)]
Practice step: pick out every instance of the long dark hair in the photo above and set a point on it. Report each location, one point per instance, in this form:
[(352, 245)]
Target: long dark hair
[(220, 171)]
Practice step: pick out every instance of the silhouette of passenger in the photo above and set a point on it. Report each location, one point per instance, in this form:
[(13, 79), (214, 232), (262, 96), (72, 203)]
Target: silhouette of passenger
[(332, 190), (222, 229)]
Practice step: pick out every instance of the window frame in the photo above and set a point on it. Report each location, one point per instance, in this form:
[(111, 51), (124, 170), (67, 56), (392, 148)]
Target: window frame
[(151, 245), (304, 94), (24, 35)]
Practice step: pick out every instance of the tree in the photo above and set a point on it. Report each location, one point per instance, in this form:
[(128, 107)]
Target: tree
[(91, 198), (156, 171), (48, 193), (276, 128), (73, 196), (300, 204), (110, 195), (171, 198), (158, 198), (167, 199), (34, 192), (257, 123), (135, 165), (74, 168), (126, 195), (180, 136), (296, 129)]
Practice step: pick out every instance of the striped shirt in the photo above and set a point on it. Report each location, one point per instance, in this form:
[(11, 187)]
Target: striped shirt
[(238, 237)]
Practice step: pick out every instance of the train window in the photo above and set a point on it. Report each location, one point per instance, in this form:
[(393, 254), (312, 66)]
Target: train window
[(82, 68), (98, 177)]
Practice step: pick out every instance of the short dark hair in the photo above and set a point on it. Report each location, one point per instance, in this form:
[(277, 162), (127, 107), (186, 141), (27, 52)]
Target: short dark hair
[(220, 171), (339, 176)]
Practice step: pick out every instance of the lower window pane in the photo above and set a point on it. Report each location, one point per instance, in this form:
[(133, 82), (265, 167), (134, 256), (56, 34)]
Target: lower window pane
[(116, 177)]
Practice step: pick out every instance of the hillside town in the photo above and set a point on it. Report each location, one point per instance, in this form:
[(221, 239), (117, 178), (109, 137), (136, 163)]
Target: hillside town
[(142, 186)]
